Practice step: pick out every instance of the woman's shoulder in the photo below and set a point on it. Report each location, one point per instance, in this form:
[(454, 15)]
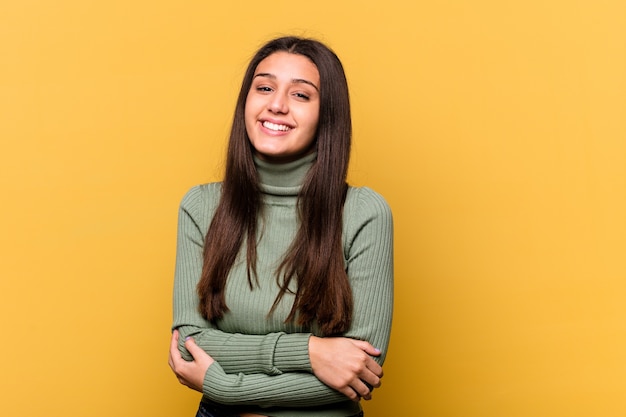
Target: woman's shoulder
[(201, 197), (366, 215), (364, 206), (366, 199)]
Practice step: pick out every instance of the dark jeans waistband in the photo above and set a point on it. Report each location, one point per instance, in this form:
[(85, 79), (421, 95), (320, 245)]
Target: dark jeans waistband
[(213, 410)]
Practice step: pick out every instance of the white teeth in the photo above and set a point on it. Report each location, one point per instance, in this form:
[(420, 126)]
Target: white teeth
[(273, 126)]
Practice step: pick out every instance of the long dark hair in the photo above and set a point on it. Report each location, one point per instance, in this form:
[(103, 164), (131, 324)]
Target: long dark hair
[(315, 257)]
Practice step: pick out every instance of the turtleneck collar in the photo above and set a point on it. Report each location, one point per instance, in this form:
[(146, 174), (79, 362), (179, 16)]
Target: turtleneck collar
[(283, 179)]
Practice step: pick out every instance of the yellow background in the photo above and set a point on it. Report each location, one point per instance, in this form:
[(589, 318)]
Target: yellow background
[(495, 129)]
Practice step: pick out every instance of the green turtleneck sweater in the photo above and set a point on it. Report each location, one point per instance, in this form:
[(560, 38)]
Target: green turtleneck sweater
[(262, 363)]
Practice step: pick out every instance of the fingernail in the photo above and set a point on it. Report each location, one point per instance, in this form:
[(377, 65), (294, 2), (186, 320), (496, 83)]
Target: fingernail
[(377, 350), (187, 338)]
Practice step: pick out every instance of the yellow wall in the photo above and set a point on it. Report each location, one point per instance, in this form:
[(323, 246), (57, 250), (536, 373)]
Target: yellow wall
[(495, 129)]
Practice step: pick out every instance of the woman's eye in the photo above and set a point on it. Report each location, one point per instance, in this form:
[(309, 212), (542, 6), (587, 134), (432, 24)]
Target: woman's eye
[(263, 89), (301, 96)]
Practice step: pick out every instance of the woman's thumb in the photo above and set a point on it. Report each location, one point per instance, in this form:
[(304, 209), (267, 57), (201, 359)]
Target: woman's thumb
[(191, 346)]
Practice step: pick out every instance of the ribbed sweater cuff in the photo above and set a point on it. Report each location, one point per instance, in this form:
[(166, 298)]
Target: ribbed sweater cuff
[(292, 353)]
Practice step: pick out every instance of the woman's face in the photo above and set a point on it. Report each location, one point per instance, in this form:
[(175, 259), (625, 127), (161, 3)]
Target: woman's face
[(282, 107)]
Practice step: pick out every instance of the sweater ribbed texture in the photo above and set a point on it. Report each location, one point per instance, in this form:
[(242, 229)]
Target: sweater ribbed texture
[(261, 361)]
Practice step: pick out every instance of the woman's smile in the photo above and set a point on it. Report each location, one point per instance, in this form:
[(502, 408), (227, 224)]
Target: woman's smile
[(276, 127)]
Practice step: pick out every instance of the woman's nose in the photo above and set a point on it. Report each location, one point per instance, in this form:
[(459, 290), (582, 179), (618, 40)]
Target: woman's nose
[(278, 104)]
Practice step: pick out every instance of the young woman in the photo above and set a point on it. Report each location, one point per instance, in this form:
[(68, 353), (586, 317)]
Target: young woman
[(284, 274)]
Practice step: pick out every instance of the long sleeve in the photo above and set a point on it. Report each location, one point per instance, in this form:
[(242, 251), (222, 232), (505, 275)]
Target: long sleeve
[(368, 249), (294, 389), (271, 353)]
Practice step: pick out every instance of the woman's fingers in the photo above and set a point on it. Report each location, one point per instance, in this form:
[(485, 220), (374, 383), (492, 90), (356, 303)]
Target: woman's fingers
[(173, 349), (194, 349), (371, 364), (200, 357), (357, 390), (190, 373), (372, 373), (345, 365), (175, 358), (362, 390), (366, 347)]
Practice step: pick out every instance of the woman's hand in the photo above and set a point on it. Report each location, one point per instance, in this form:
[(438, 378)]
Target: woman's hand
[(346, 365), (190, 374)]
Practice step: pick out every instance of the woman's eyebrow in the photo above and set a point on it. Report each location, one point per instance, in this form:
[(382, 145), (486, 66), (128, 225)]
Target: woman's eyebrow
[(295, 80)]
